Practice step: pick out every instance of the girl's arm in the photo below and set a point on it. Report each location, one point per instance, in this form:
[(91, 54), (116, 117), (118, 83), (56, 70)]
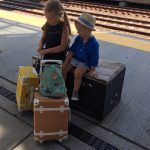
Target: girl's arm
[(41, 42), (62, 46)]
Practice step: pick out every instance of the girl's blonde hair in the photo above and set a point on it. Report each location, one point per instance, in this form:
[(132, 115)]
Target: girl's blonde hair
[(57, 7)]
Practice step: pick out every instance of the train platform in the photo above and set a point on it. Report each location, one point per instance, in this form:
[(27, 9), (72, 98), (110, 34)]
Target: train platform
[(127, 127)]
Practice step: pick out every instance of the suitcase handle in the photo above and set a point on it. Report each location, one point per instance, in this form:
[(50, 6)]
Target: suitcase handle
[(42, 62), (51, 61), (87, 84)]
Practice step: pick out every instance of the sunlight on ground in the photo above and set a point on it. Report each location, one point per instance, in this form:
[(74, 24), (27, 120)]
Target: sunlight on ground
[(3, 131)]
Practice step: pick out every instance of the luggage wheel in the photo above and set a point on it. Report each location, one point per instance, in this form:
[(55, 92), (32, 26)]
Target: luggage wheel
[(20, 110), (35, 139), (65, 137), (41, 141)]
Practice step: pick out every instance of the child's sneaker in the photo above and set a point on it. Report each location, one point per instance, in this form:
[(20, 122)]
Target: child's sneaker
[(75, 96)]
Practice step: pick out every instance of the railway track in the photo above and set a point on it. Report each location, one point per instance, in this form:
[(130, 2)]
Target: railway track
[(99, 7), (105, 20)]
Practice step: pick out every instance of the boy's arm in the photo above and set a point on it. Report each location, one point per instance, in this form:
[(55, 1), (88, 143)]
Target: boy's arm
[(94, 59), (71, 51), (69, 56), (92, 71), (68, 59)]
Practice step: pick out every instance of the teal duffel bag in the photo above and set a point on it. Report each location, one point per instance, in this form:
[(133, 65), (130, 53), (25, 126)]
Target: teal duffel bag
[(52, 83)]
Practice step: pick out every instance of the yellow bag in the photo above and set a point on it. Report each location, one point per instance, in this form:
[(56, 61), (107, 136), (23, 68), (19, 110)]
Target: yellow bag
[(27, 79)]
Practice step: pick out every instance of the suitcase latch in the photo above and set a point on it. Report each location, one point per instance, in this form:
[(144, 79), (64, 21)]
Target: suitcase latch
[(25, 79), (61, 108), (41, 109), (90, 85), (61, 132), (114, 98), (41, 133)]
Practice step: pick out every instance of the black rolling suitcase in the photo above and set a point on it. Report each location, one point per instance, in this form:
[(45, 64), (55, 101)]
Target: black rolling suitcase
[(98, 96)]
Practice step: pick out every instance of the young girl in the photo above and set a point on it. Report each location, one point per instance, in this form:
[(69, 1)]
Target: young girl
[(55, 37), (84, 52)]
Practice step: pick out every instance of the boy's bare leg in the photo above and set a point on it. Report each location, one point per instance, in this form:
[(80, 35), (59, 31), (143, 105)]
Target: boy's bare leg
[(65, 70), (79, 72)]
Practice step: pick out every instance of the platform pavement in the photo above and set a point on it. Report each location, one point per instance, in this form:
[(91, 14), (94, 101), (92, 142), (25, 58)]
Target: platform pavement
[(16, 133), (12, 130), (16, 130)]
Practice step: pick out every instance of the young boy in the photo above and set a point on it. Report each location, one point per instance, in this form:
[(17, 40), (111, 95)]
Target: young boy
[(84, 52)]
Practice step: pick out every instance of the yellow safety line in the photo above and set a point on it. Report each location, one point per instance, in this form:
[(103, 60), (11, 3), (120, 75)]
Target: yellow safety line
[(22, 18), (125, 41), (108, 37)]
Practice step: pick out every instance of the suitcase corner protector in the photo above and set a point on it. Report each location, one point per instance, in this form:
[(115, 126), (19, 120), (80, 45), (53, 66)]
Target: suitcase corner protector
[(36, 102), (67, 101)]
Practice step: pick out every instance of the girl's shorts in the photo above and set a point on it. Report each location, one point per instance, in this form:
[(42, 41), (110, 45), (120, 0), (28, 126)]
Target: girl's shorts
[(77, 63)]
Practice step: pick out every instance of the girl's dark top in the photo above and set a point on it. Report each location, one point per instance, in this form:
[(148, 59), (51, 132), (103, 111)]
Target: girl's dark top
[(53, 39)]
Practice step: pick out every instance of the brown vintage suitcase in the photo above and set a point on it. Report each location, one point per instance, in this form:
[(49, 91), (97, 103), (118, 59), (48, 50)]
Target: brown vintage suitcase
[(51, 118)]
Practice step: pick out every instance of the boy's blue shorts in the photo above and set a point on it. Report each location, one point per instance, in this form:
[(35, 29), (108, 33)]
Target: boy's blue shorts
[(77, 63)]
